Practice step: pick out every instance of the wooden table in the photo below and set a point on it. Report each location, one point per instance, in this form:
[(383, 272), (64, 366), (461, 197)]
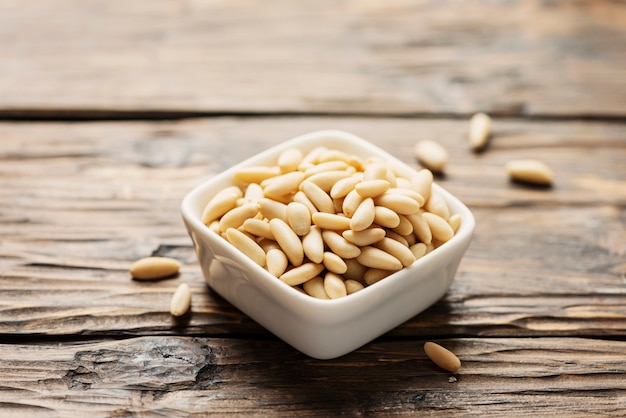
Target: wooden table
[(112, 111)]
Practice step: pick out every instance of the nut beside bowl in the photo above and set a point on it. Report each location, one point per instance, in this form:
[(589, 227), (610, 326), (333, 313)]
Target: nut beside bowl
[(319, 328)]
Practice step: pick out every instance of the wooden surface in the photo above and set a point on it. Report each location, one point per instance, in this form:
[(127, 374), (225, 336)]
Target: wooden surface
[(112, 112)]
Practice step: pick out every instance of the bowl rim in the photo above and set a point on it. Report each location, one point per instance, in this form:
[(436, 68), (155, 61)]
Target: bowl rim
[(309, 141)]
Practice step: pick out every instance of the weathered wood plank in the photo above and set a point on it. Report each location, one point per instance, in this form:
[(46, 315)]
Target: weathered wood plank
[(174, 376), (76, 58), (80, 202)]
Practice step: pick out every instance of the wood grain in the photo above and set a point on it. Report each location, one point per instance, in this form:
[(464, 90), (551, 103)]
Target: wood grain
[(181, 376), (94, 59), (80, 202)]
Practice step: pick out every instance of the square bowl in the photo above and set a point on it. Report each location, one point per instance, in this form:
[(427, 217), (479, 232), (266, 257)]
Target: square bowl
[(322, 329)]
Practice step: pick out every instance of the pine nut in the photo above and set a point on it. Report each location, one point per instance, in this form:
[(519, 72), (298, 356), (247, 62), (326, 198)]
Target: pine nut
[(289, 160), (276, 262), (339, 245), (420, 227), (334, 263), (479, 131), (432, 155), (318, 197), (374, 275), (437, 205), (326, 180), (288, 241), (299, 218), (284, 184), (334, 286), (352, 286), (301, 274), (234, 218), (396, 249), (300, 197), (152, 268), (363, 216), (355, 271), (401, 204), (455, 222), (410, 193), (221, 203), (418, 249), (255, 174), (331, 221), (181, 300), (254, 193), (442, 357), (246, 245), (530, 171), (326, 167), (351, 202), (272, 209), (440, 229), (313, 245), (345, 186), (376, 258), (422, 182), (386, 217), (405, 227), (315, 288), (258, 227), (372, 188), (365, 237)]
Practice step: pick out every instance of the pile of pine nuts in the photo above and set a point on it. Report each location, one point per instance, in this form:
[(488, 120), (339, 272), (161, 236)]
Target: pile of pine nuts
[(329, 223)]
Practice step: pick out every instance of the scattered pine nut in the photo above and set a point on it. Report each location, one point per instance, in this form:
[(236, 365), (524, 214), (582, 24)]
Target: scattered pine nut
[(181, 300), (442, 357), (530, 171), (153, 268), (479, 131), (432, 155)]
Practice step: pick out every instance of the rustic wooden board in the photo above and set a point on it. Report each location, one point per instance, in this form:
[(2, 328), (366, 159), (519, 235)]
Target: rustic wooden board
[(81, 59), (179, 376), (80, 202)]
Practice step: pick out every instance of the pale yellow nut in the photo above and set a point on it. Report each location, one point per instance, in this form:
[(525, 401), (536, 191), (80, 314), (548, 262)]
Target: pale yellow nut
[(268, 244), (442, 357), (300, 197), (397, 237), (405, 227), (339, 245), (334, 263), (301, 274), (479, 131), (258, 227), (289, 159), (335, 155), (401, 204), (355, 271), (152, 268), (327, 179), (372, 188), (376, 258), (299, 218), (351, 202), (254, 193), (320, 199), (374, 275), (431, 154), (352, 286), (363, 216), (375, 171), (246, 245), (255, 174), (420, 227), (334, 286), (396, 249), (530, 171), (455, 222), (436, 204), (311, 158), (234, 218), (325, 167), (345, 186), (282, 185), (288, 241), (315, 288), (419, 250), (331, 221), (441, 230), (181, 300), (386, 217), (313, 245), (410, 193), (221, 203), (273, 209), (365, 237), (422, 182), (276, 262)]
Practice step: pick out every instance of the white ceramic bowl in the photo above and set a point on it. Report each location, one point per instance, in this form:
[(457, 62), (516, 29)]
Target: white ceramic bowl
[(322, 329)]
